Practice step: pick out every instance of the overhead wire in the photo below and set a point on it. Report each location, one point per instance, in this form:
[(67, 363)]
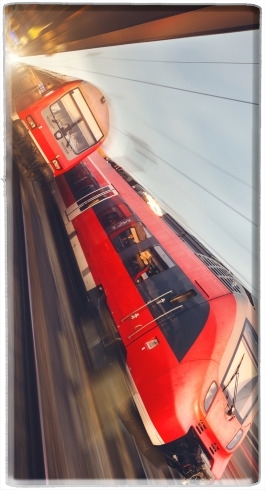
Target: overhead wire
[(205, 189), (176, 88)]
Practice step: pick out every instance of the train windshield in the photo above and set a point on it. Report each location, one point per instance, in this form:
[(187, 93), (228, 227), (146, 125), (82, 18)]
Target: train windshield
[(240, 383), (75, 121)]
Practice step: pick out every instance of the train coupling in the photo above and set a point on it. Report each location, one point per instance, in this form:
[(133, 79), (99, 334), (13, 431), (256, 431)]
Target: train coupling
[(190, 460)]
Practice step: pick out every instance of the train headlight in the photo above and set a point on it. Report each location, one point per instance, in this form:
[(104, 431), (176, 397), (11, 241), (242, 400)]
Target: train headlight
[(210, 396), (235, 439), (31, 122), (56, 164)]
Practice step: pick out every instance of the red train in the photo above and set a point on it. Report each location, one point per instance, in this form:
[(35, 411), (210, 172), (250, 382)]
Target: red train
[(66, 118), (188, 326)]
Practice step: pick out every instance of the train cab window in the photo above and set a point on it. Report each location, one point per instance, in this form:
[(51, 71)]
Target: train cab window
[(135, 233), (148, 263), (76, 123), (240, 383), (110, 218)]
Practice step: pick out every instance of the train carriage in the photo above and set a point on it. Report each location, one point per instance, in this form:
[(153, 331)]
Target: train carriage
[(188, 326)]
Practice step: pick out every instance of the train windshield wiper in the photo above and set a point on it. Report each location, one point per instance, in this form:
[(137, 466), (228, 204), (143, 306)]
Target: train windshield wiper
[(63, 132), (230, 409)]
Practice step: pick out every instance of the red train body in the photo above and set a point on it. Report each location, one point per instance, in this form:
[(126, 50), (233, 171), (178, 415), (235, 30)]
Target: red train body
[(66, 118), (188, 326)]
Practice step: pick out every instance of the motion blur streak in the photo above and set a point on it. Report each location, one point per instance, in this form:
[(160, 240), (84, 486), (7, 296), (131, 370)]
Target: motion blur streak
[(65, 392)]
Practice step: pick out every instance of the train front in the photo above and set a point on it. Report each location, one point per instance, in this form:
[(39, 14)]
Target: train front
[(197, 411), (67, 119)]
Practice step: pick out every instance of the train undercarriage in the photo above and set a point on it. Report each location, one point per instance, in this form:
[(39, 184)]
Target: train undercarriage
[(189, 458)]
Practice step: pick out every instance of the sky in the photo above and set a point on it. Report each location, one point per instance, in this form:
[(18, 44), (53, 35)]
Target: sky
[(184, 117)]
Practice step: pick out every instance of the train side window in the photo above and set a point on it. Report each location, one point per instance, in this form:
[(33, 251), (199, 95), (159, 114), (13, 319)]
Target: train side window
[(110, 218), (81, 181), (181, 298), (113, 214), (132, 235), (148, 263)]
